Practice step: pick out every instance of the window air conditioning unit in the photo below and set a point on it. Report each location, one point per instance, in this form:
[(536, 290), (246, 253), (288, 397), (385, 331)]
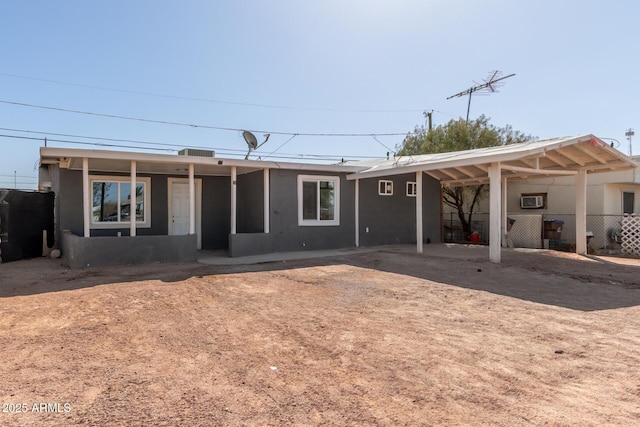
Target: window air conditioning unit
[(531, 202)]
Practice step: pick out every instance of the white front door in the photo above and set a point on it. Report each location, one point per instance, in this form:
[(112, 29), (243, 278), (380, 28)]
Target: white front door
[(179, 207)]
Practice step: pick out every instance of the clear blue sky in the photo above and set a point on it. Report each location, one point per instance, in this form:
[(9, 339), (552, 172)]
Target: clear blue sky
[(293, 66)]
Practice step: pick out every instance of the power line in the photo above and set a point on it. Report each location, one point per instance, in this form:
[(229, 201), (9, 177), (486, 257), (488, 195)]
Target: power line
[(213, 101), (18, 176), (165, 122), (174, 146), (283, 156)]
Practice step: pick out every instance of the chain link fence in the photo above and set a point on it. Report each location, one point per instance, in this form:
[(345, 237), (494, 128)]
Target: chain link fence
[(553, 231)]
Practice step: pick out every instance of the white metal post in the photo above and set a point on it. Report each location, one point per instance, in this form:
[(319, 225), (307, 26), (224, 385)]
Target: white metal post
[(133, 200), (192, 199), (86, 197), (495, 212), (357, 212), (233, 199), (503, 222), (581, 212), (419, 237), (267, 219)]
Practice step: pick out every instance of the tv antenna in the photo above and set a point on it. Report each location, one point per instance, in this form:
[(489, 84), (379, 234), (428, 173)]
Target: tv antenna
[(489, 85), (629, 134), (252, 142)]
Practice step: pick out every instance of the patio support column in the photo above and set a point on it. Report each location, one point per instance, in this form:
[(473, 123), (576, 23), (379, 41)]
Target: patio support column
[(133, 200), (357, 212), (419, 239), (86, 198), (266, 201), (192, 199), (581, 212), (495, 212), (503, 223), (234, 196)]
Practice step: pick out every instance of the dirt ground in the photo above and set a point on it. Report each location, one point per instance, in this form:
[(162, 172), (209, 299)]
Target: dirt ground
[(381, 338)]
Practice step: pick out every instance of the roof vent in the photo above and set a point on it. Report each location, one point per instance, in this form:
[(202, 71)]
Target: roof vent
[(196, 153)]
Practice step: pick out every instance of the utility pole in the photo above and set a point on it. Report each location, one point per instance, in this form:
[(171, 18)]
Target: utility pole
[(428, 115), (629, 134)]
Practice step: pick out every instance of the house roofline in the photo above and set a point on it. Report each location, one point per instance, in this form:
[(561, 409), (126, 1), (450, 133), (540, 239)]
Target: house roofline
[(58, 154)]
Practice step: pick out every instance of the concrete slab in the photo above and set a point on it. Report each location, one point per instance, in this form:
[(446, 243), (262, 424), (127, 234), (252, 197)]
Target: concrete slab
[(449, 250)]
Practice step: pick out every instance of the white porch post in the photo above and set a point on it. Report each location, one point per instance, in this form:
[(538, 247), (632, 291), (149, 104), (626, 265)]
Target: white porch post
[(419, 239), (503, 222), (86, 197), (266, 201), (357, 213), (495, 212), (581, 212), (133, 200), (233, 199), (192, 199)]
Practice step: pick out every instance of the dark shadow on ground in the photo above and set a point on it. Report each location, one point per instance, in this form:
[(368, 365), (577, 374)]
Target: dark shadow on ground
[(585, 284)]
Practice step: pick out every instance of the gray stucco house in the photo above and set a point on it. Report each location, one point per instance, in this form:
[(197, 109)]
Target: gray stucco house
[(192, 201)]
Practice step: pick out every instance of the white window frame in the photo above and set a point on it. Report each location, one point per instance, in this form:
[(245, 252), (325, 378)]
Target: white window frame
[(319, 222), (388, 187), (146, 183), (412, 189)]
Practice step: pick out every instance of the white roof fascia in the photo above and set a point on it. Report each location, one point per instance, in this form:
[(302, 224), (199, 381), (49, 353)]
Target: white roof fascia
[(53, 152)]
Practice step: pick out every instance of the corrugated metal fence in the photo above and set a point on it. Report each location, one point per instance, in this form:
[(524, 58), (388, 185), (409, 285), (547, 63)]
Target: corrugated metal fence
[(24, 215)]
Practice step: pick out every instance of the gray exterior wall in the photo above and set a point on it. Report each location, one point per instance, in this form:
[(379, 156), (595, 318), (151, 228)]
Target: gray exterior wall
[(216, 212), (389, 220), (97, 251), (285, 233), (384, 220), (250, 212)]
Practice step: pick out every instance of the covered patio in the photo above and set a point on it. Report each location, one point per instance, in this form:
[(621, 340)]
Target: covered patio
[(567, 156)]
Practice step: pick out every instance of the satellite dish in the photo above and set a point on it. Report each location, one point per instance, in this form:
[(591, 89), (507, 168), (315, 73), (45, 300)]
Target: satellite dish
[(252, 142)]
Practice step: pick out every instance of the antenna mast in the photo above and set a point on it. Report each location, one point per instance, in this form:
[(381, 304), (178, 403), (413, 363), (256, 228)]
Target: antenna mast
[(629, 134), (489, 86)]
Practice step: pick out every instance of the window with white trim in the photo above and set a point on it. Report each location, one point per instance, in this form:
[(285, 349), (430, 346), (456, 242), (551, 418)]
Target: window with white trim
[(318, 200), (385, 187), (412, 189), (111, 202)]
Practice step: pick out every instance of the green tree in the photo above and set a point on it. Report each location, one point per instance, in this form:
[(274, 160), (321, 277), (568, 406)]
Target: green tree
[(460, 135)]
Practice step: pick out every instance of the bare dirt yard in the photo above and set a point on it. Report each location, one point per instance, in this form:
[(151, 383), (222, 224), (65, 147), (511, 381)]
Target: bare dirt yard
[(381, 338)]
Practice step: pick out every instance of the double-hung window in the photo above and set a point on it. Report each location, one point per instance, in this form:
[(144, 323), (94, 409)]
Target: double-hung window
[(113, 204), (318, 200)]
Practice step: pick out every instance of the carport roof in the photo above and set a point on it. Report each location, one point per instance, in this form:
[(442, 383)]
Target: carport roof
[(558, 156)]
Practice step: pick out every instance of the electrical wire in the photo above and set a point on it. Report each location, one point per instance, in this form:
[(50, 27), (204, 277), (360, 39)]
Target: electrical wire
[(165, 122), (231, 151), (378, 141), (282, 145), (213, 101), (290, 157)]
